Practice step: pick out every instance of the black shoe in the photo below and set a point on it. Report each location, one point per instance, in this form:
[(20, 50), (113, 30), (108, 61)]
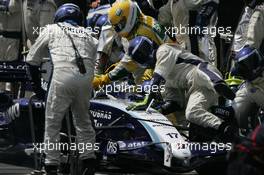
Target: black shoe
[(224, 90), (89, 166), (51, 169)]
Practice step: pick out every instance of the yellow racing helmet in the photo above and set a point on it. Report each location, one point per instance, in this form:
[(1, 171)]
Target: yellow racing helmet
[(124, 15)]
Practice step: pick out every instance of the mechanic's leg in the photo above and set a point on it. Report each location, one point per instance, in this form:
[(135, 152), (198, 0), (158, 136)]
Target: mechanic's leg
[(57, 104), (243, 106), (197, 108), (174, 111), (83, 124)]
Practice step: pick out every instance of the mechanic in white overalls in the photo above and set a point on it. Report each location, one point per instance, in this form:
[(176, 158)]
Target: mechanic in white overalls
[(10, 32), (184, 14), (73, 51), (249, 64), (190, 82), (37, 14)]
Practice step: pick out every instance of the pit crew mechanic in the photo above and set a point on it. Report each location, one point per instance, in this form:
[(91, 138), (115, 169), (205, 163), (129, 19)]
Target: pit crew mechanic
[(129, 22), (10, 32), (37, 14), (249, 64), (191, 83), (110, 46), (71, 47), (186, 14), (250, 29)]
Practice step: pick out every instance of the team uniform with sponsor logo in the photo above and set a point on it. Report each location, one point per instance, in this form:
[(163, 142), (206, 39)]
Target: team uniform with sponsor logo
[(68, 87), (179, 17), (190, 82), (139, 25)]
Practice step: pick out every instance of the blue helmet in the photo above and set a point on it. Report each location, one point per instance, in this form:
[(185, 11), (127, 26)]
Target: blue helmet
[(92, 21), (142, 50), (97, 21), (101, 21), (249, 63), (69, 11)]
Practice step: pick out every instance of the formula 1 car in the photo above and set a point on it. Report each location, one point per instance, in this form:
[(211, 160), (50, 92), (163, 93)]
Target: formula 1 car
[(132, 140)]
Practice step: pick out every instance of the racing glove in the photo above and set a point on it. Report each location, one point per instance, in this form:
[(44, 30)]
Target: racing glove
[(156, 80), (224, 90), (36, 82), (140, 105), (100, 81), (227, 132), (169, 107), (204, 15)]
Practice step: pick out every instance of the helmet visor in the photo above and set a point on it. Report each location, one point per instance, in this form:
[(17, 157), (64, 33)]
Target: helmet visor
[(121, 25)]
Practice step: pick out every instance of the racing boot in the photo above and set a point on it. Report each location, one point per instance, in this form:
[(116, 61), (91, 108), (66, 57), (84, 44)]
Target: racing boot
[(89, 166), (51, 169)]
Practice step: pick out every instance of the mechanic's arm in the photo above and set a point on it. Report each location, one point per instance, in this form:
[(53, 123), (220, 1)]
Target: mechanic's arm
[(117, 73), (39, 49), (123, 68), (164, 65), (156, 81), (34, 58), (255, 34)]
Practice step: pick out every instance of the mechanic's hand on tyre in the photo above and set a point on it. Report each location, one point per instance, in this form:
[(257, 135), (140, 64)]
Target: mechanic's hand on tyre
[(143, 105)]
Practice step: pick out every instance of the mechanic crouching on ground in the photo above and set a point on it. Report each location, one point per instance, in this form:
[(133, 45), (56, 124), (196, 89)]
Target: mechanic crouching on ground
[(72, 51), (249, 64), (190, 83)]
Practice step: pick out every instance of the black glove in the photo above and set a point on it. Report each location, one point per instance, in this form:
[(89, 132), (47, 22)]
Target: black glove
[(169, 107), (227, 132), (224, 90), (155, 81), (36, 82), (204, 15)]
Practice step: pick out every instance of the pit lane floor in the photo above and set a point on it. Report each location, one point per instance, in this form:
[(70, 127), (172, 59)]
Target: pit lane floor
[(8, 169)]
